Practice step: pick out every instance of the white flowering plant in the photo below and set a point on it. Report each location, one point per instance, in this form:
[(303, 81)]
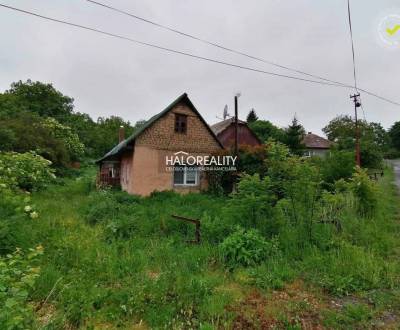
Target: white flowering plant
[(27, 171)]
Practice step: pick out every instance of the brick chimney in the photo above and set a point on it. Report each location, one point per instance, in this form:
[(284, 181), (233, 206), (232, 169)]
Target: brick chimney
[(121, 134)]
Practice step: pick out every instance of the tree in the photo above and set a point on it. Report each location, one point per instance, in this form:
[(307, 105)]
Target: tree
[(294, 137), (252, 116), (265, 130), (374, 140), (394, 133), (42, 99), (27, 132), (107, 133)]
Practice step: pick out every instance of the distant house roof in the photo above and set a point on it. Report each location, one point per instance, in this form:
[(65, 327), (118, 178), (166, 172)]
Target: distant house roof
[(222, 125), (124, 144), (313, 141)]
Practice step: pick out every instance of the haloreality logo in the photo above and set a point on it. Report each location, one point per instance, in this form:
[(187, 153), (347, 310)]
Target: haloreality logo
[(202, 162)]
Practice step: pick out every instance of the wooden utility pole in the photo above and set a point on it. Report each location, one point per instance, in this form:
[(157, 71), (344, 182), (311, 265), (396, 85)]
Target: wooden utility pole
[(357, 104), (236, 125)]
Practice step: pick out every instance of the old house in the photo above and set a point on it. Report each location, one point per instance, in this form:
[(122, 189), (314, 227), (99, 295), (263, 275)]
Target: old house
[(315, 145), (139, 163), (225, 131)]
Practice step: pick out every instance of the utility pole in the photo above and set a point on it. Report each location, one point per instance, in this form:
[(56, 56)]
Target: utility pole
[(357, 104), (236, 125), (236, 151)]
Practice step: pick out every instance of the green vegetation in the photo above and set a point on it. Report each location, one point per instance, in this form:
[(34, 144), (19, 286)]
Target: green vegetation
[(115, 260), (36, 117), (300, 243)]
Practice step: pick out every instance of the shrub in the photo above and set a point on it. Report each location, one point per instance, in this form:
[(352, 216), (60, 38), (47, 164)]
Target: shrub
[(18, 273), (27, 171), (245, 248), (251, 204), (337, 165), (65, 134), (365, 192), (101, 207), (214, 229)]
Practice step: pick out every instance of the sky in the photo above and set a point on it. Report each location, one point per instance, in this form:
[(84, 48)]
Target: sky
[(108, 76)]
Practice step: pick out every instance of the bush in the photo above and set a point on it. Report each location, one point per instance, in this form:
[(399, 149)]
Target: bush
[(251, 204), (27, 171), (18, 273), (392, 154), (101, 207), (65, 134), (337, 165), (365, 192), (245, 248)]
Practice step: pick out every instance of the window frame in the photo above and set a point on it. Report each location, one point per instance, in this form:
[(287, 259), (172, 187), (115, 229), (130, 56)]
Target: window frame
[(185, 184), (179, 119)]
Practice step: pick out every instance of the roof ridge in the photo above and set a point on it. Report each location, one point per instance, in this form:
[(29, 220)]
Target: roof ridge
[(119, 147)]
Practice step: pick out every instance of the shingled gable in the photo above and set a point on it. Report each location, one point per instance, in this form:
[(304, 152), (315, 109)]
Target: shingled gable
[(119, 148)]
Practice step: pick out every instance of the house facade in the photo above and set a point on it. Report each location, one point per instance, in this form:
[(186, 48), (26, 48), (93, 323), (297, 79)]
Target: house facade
[(138, 163), (316, 145), (226, 131)]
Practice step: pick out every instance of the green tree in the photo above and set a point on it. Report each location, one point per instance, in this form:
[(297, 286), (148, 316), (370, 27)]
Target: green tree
[(107, 133), (265, 130), (294, 137), (374, 140), (42, 99), (252, 116), (26, 132), (64, 133), (394, 133)]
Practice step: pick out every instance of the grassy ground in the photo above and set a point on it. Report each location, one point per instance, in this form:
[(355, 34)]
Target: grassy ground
[(96, 275)]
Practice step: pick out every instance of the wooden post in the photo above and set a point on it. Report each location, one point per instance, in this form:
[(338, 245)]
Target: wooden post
[(194, 221), (236, 126), (357, 132)]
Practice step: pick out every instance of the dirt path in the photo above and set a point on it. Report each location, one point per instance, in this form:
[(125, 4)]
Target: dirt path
[(396, 167)]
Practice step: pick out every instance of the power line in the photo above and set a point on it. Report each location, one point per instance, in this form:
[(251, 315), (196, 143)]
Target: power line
[(352, 44), (162, 26), (354, 57), (191, 55), (236, 51), (169, 49)]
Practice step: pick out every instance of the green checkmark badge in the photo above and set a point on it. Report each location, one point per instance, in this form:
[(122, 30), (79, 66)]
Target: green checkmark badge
[(393, 31)]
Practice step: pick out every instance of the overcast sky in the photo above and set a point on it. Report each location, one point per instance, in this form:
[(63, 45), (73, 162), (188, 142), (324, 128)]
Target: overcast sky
[(108, 76)]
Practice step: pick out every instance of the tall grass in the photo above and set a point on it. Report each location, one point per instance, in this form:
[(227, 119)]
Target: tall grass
[(114, 260)]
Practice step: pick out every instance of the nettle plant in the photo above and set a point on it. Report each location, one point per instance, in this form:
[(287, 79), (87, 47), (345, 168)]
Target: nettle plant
[(247, 248), (18, 274)]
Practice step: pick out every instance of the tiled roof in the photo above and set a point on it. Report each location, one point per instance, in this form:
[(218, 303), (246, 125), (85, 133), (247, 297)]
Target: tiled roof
[(314, 141), (122, 145), (222, 125)]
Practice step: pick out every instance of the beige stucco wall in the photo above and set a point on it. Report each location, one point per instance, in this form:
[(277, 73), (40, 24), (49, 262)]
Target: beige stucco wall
[(149, 173), (145, 170)]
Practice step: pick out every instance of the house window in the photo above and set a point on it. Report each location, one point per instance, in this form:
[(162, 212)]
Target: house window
[(308, 153), (186, 176), (113, 171), (180, 123)]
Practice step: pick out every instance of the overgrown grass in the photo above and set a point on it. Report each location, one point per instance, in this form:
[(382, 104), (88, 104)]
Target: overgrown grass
[(114, 260)]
